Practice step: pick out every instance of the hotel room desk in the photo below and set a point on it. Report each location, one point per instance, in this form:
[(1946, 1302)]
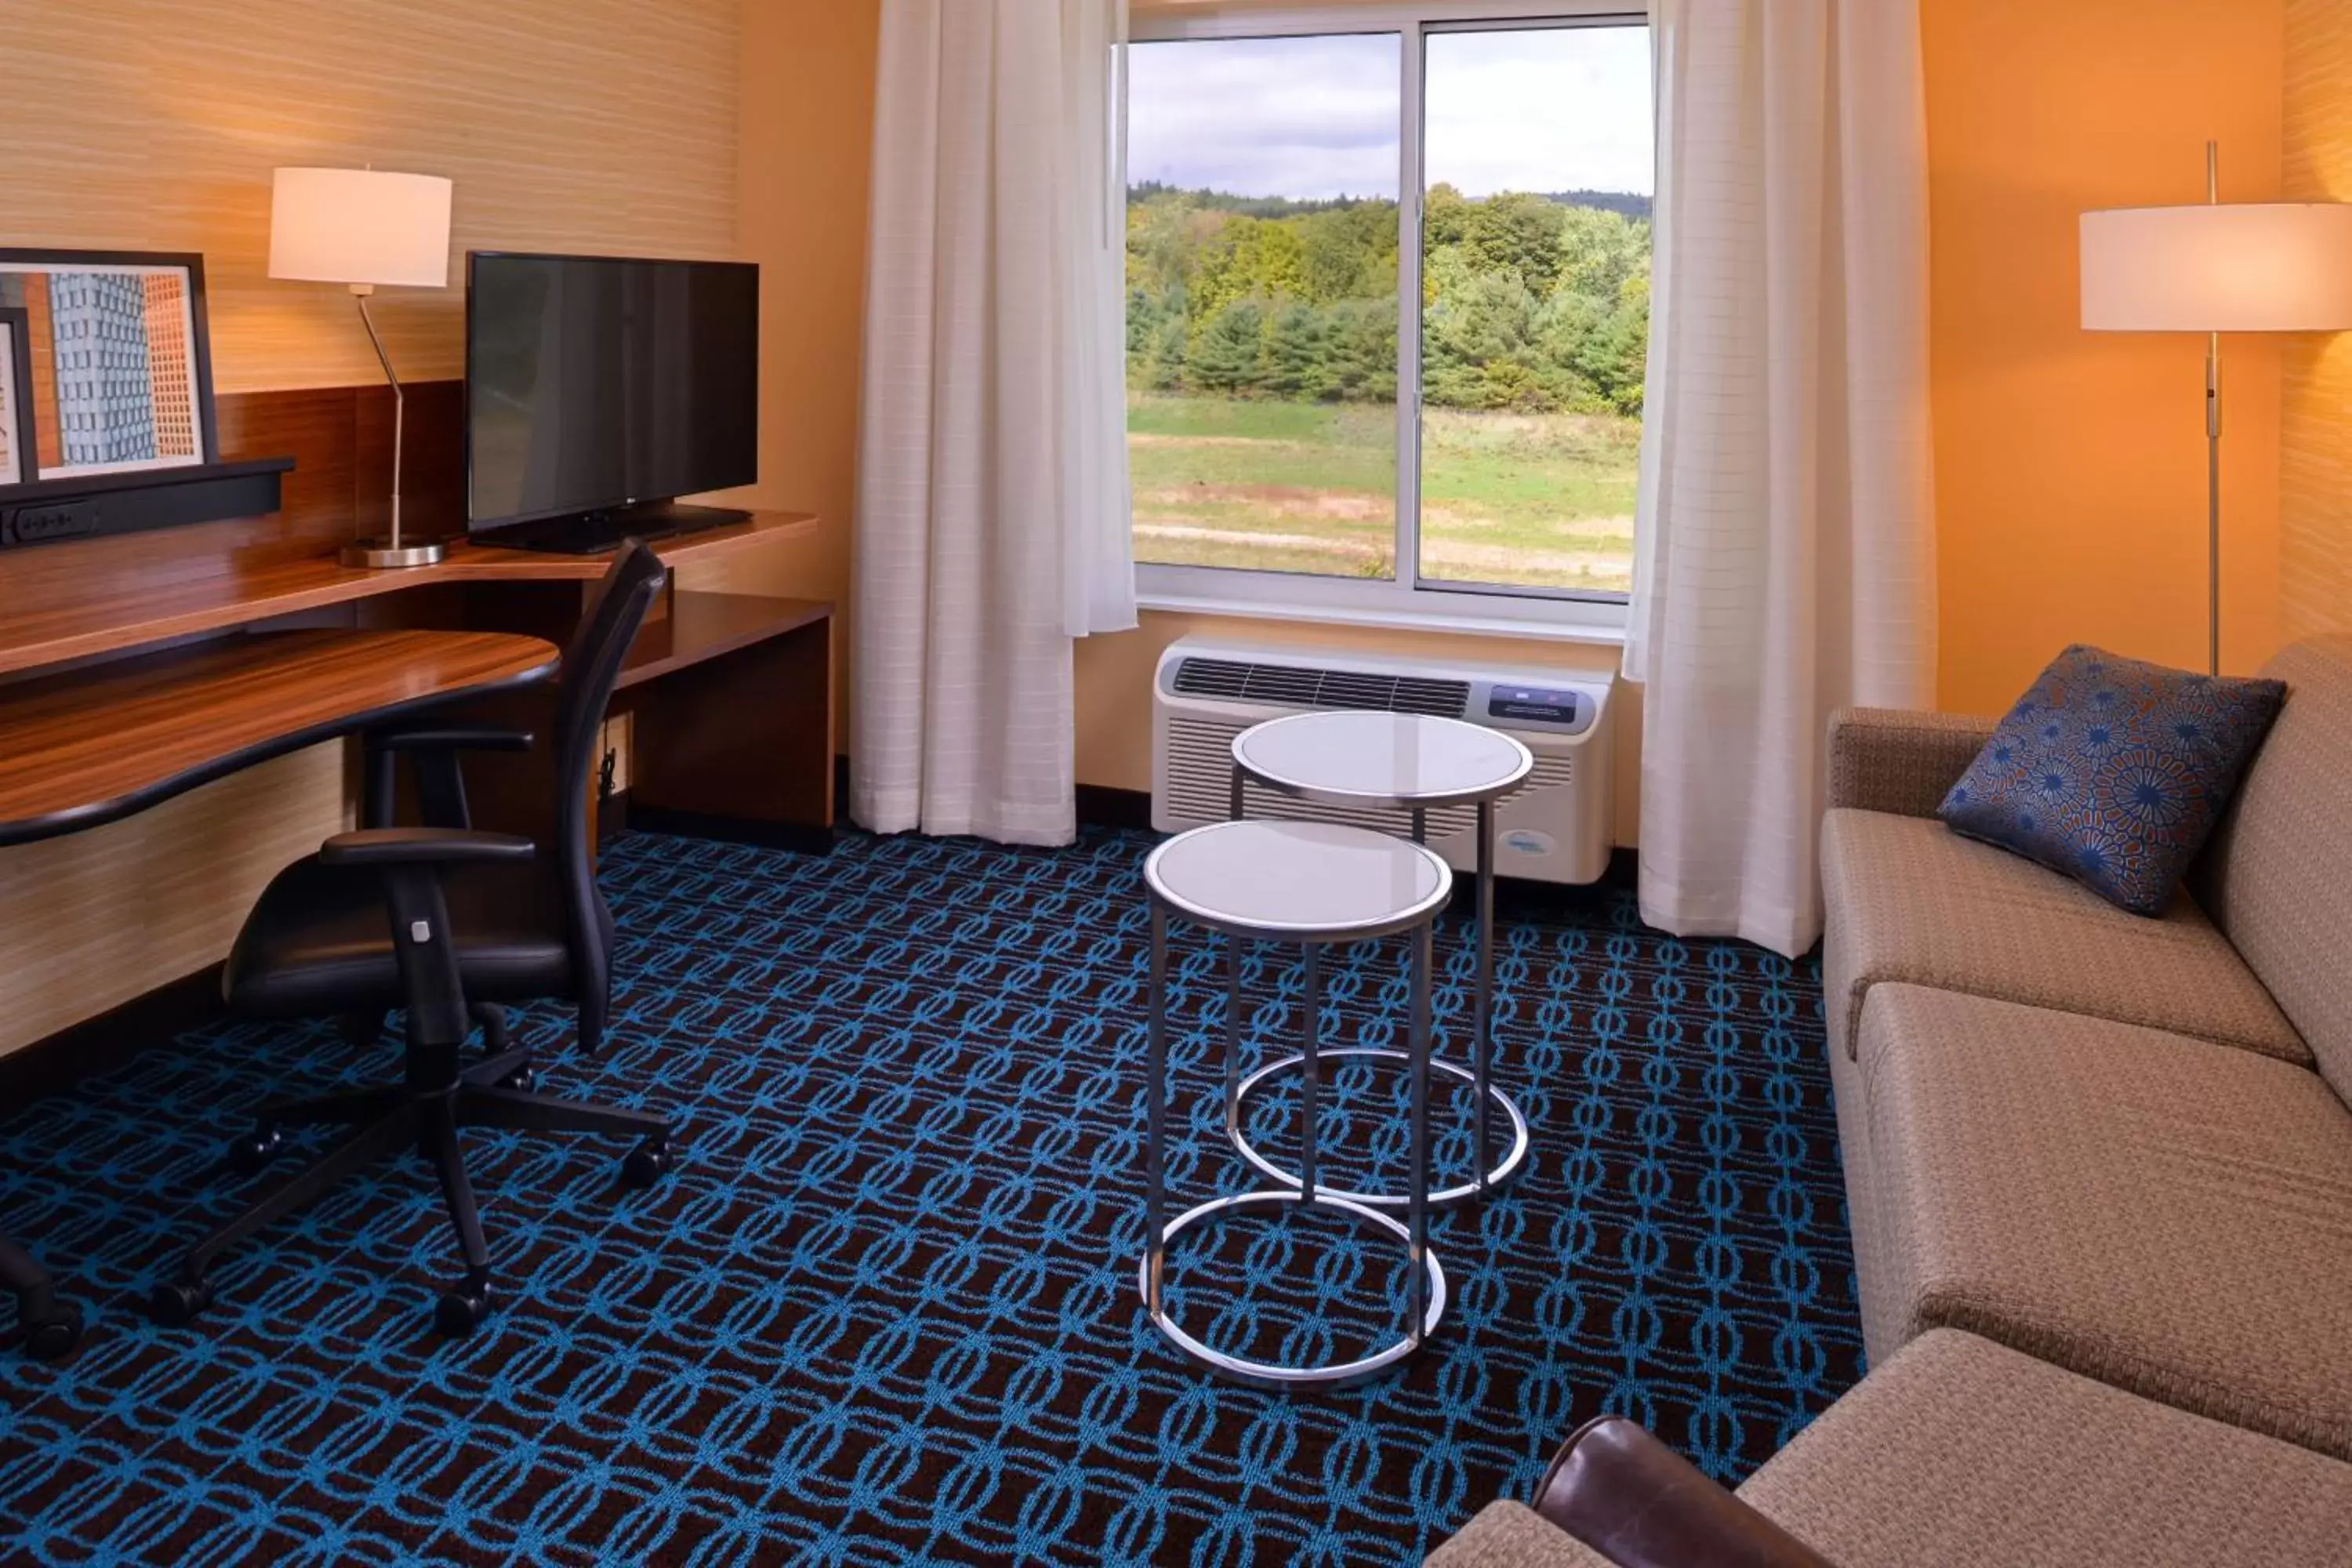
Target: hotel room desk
[(729, 696), (80, 750), (138, 668)]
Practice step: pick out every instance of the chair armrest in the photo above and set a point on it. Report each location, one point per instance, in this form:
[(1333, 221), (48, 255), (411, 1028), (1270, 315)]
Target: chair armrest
[(1885, 759), (1640, 1504), (373, 846), (471, 738)]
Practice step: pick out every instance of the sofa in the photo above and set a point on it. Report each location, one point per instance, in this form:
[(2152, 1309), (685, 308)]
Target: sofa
[(2099, 1173)]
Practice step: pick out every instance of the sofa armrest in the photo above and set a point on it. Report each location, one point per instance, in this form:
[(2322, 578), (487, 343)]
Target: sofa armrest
[(1639, 1504), (1890, 760)]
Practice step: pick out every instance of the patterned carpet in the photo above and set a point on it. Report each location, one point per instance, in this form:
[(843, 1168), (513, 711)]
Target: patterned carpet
[(884, 1311)]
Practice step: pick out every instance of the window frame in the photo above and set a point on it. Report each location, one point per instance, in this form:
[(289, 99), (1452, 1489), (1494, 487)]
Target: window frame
[(1407, 599)]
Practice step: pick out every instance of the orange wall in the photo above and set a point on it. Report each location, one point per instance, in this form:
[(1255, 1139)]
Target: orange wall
[(2070, 478), (2070, 466), (806, 145), (2315, 472)]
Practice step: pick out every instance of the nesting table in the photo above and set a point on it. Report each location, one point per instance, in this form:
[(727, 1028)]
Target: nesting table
[(1362, 762), (1317, 885)]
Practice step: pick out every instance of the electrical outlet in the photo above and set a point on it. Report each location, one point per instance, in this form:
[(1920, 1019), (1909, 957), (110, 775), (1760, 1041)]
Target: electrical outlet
[(39, 524)]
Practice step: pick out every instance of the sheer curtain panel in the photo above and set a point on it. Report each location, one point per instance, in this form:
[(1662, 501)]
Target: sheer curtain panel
[(1785, 539), (994, 518)]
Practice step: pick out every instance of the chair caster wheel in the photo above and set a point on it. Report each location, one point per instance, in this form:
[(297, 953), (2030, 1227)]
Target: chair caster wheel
[(52, 1338), (648, 1163), (254, 1150), (463, 1309), (524, 1079), (177, 1303)]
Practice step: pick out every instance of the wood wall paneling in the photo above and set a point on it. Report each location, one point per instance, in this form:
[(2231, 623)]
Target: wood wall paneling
[(573, 125), (2315, 464)]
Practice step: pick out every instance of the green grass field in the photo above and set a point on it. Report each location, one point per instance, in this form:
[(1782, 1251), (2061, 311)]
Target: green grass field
[(1537, 500)]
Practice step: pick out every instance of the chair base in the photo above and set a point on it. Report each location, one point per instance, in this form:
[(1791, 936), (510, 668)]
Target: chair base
[(396, 1117), (47, 1328)]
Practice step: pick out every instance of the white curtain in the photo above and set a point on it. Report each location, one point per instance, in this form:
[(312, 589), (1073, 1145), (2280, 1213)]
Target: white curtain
[(994, 516), (1786, 537)]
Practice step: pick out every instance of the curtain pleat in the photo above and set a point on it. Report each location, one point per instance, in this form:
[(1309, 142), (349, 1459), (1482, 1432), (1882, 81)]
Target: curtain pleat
[(993, 522), (1785, 546)]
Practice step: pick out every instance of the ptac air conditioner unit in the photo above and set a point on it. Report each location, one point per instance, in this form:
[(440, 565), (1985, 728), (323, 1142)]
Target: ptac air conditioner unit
[(1553, 828)]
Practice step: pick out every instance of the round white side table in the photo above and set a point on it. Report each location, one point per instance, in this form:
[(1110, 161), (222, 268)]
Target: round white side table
[(1317, 885), (1411, 762)]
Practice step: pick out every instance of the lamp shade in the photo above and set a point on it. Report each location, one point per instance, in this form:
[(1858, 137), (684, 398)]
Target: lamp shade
[(2252, 268), (360, 226)]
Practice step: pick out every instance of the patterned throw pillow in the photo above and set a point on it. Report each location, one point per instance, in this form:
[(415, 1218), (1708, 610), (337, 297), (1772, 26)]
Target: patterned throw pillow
[(2114, 772)]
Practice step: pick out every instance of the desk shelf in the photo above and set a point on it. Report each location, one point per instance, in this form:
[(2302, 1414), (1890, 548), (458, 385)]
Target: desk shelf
[(702, 627)]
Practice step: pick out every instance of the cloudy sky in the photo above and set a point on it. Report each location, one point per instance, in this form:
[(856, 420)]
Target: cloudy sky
[(1535, 110)]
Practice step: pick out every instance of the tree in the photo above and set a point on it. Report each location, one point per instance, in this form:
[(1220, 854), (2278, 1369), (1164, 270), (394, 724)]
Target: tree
[(1224, 352), (1518, 234), (1530, 301)]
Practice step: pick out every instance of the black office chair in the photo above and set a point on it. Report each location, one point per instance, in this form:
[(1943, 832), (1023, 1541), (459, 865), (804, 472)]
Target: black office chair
[(47, 1327), (442, 921)]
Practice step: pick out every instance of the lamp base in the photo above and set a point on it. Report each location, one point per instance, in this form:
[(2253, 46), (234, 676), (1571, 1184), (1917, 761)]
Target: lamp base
[(378, 555)]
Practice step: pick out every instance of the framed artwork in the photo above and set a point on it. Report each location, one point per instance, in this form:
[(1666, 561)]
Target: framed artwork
[(116, 365), (16, 437)]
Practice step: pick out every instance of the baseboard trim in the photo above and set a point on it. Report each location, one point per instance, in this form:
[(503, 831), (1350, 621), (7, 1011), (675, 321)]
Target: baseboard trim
[(111, 1040), (786, 835)]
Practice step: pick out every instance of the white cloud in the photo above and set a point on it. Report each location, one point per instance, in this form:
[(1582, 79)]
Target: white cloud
[(1526, 109), (1267, 117), (1557, 110)]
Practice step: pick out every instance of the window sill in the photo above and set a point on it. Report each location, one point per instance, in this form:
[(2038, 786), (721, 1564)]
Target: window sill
[(1559, 631)]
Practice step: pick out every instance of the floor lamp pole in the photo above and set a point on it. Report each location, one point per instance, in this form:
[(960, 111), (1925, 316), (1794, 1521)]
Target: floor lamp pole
[(2213, 449)]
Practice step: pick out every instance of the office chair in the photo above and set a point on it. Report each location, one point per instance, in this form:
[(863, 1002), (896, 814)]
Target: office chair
[(47, 1327), (440, 922)]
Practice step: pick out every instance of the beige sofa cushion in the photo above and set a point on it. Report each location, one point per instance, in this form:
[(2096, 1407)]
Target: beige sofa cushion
[(1959, 1450), (1910, 901), (1513, 1535), (2152, 1211), (2278, 876)]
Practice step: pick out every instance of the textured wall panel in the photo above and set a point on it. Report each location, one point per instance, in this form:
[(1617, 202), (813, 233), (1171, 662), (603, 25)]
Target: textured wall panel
[(2315, 416), (576, 125), (93, 920), (571, 125)]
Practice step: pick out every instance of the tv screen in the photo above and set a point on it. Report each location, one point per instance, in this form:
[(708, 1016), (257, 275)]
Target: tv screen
[(595, 384)]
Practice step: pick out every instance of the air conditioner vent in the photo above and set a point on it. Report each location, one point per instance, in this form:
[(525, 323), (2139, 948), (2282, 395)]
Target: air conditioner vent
[(1211, 677), (1441, 698), (1289, 686)]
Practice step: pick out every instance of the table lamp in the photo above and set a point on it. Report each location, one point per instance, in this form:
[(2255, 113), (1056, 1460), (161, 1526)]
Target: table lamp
[(367, 229), (2251, 267)]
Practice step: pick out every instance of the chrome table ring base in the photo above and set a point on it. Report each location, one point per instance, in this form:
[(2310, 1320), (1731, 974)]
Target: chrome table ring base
[(1318, 886), (1506, 1170), (1267, 1374)]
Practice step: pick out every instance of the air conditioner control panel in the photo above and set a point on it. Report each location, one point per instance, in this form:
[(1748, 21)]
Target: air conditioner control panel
[(1550, 709)]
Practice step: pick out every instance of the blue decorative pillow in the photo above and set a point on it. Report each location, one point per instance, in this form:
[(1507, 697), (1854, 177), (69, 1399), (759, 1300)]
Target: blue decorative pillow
[(2114, 772)]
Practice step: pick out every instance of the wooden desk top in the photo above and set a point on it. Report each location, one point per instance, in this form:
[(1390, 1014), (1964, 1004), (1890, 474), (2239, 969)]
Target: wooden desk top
[(80, 750), (65, 601)]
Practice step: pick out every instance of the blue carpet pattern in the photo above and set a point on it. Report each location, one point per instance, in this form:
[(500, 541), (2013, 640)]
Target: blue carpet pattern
[(884, 1309)]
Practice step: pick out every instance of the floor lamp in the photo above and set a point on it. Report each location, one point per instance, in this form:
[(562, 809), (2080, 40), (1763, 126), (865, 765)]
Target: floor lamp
[(365, 228), (2215, 268)]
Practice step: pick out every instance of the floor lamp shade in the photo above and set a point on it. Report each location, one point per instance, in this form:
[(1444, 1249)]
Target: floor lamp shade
[(2258, 267), (360, 226)]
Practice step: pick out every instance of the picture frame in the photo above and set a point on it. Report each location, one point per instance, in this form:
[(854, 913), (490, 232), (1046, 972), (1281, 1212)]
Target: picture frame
[(116, 370), (17, 440)]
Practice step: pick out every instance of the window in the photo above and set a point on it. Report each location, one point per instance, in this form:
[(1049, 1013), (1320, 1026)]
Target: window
[(1388, 307)]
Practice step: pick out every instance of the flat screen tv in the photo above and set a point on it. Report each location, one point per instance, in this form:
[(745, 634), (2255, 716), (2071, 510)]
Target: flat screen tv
[(598, 389)]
